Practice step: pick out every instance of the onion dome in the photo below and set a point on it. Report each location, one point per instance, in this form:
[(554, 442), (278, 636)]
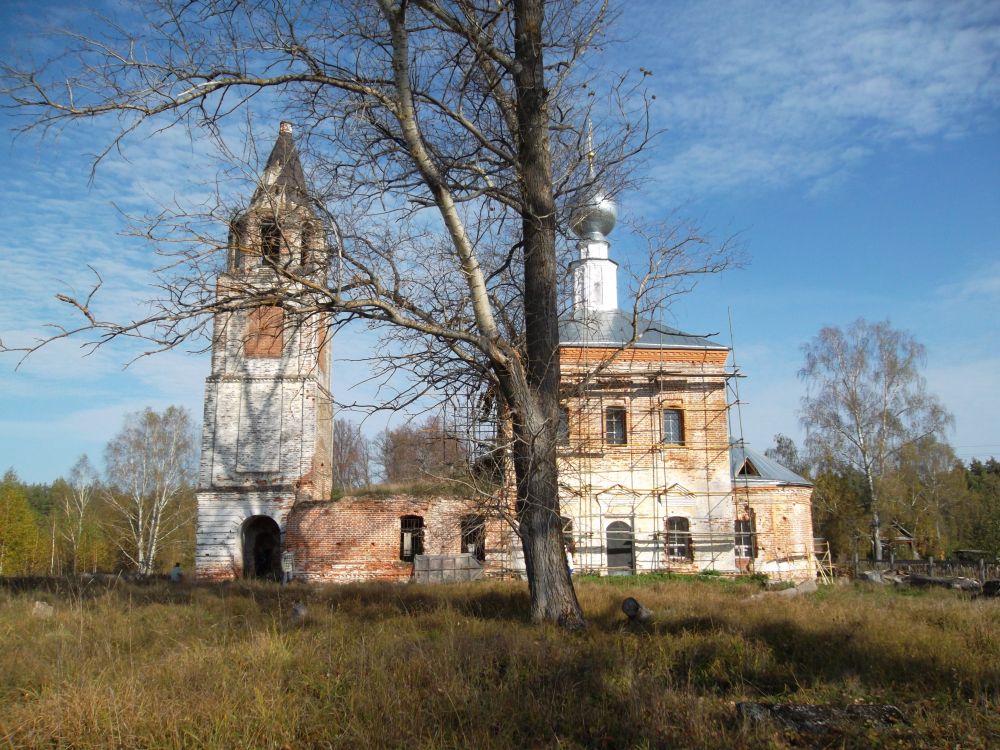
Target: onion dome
[(596, 217)]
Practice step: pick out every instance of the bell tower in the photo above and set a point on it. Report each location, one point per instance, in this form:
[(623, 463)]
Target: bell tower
[(266, 440)]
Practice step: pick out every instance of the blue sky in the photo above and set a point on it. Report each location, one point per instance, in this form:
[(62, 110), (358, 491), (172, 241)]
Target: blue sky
[(855, 147)]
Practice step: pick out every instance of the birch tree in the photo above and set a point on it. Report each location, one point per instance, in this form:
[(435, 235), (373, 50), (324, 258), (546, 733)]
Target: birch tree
[(75, 501), (866, 403), (150, 463), (449, 141)]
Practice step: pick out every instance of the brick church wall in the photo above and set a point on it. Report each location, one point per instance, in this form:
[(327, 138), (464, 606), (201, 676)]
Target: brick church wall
[(358, 538), (782, 516)]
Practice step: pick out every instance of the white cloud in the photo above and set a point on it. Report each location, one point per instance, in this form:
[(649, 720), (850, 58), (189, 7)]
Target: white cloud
[(774, 93), (983, 284)]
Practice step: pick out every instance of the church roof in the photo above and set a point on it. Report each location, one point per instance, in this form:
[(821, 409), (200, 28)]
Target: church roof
[(283, 171), (614, 328), (752, 468)]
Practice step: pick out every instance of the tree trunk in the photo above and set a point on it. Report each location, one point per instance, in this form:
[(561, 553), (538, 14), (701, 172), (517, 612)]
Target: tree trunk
[(536, 405), (876, 536)]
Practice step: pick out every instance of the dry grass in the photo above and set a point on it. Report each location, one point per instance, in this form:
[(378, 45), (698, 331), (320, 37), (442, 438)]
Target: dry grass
[(439, 667)]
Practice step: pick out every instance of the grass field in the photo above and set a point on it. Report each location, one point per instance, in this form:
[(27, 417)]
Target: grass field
[(439, 667)]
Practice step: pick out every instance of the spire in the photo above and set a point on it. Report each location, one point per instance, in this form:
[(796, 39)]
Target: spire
[(283, 171), (590, 149)]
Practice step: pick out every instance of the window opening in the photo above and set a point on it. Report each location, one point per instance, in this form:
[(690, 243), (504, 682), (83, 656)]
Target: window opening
[(745, 542), (679, 538), (305, 244), (614, 426), (673, 426), (270, 242), (474, 536), (411, 537), (748, 469)]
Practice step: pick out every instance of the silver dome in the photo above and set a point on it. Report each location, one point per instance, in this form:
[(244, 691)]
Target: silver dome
[(597, 216)]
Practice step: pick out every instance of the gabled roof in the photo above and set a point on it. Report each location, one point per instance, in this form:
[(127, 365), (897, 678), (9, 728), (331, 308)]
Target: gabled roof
[(614, 328), (752, 468)]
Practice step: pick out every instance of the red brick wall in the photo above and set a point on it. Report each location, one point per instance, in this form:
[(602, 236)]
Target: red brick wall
[(357, 538), (782, 519)]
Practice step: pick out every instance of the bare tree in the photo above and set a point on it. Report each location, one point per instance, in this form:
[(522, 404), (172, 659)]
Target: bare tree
[(450, 143), (351, 456), (150, 464), (82, 488), (422, 451), (866, 402)]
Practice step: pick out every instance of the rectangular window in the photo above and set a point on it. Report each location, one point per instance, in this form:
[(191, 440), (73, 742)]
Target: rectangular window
[(411, 537), (673, 426), (746, 545), (265, 332), (270, 242), (614, 426)]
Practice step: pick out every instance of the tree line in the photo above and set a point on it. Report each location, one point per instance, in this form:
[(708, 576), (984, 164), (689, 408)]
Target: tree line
[(138, 515)]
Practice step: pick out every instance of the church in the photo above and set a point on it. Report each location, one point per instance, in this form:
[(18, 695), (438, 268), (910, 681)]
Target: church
[(651, 478)]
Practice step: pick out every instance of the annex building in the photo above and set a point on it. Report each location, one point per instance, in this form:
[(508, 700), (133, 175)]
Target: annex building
[(651, 477)]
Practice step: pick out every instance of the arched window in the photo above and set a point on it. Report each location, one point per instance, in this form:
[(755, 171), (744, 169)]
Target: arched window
[(411, 537), (270, 242), (679, 538)]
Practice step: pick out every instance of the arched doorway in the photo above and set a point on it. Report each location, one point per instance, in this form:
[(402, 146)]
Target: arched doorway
[(621, 560), (261, 548)]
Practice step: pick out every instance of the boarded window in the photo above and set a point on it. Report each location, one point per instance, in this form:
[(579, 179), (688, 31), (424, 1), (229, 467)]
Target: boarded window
[(411, 537), (679, 538), (614, 426), (673, 426), (746, 544), (270, 242), (474, 536), (265, 332)]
